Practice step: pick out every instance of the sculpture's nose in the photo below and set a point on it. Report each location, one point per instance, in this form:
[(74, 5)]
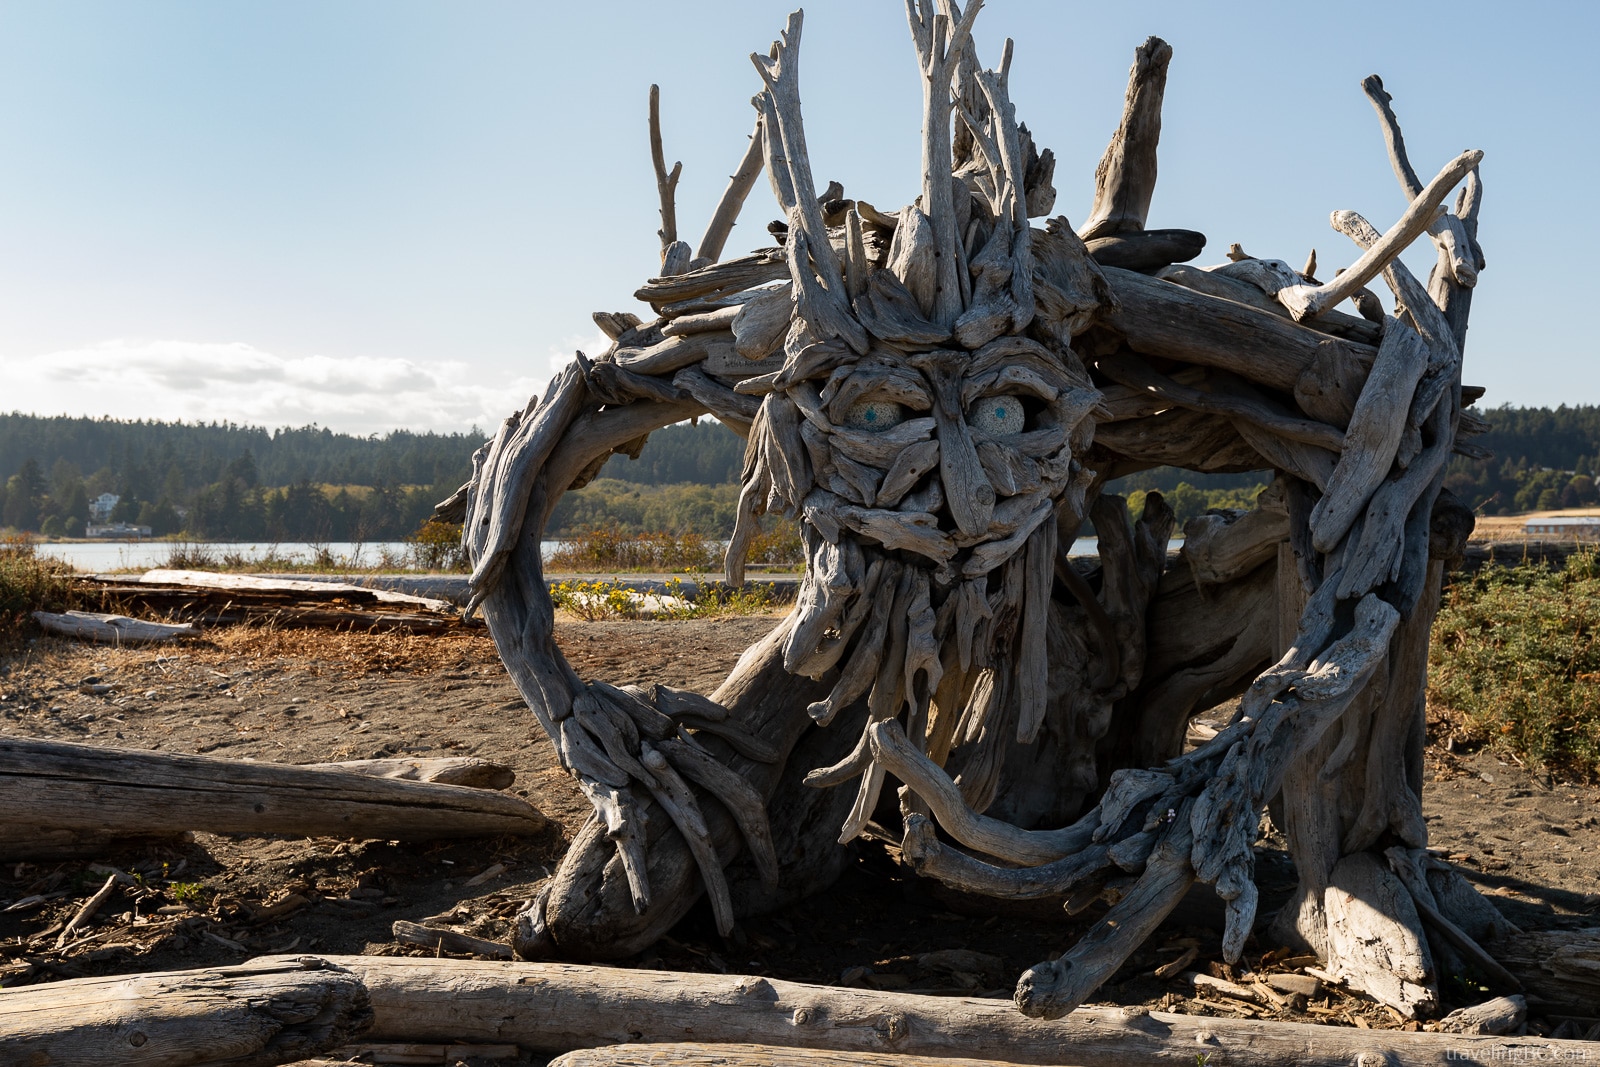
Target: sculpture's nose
[(966, 486), (967, 491)]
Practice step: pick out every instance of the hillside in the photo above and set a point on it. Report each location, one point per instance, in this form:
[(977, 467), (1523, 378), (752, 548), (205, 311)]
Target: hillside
[(227, 482)]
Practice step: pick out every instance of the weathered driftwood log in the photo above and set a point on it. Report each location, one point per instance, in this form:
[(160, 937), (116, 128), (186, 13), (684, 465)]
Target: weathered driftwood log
[(111, 629), (570, 1006), (446, 770), (1125, 179), (60, 786), (1559, 969), (696, 1054), (256, 1015), (1502, 1015), (306, 589), (417, 1053), (410, 933), (1160, 318)]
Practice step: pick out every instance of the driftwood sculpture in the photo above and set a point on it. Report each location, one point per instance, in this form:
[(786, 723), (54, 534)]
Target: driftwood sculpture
[(939, 395)]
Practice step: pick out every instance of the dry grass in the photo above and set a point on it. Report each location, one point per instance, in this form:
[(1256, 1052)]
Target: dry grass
[(358, 653)]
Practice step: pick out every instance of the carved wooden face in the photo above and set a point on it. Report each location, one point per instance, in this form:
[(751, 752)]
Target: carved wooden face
[(920, 479)]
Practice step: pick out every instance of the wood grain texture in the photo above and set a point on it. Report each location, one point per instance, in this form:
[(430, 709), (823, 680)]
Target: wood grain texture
[(255, 1015), (61, 785), (564, 1007)]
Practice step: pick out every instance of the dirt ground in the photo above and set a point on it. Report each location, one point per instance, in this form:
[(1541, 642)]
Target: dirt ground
[(1531, 844)]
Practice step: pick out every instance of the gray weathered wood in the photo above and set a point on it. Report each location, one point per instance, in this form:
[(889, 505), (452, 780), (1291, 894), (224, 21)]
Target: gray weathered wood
[(460, 770), (255, 1015), (733, 197), (1502, 1015), (111, 629), (1125, 178), (568, 1006), (67, 786), (1374, 434), (1159, 318), (696, 1054)]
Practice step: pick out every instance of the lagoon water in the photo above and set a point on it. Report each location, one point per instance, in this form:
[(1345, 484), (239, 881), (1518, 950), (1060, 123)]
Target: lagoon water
[(94, 556)]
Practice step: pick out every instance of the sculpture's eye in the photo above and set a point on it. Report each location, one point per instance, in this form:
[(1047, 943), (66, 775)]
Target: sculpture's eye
[(998, 416), (874, 415)]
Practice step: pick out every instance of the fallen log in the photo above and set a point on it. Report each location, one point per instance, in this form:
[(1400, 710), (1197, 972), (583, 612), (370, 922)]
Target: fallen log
[(448, 770), (50, 786), (249, 583), (1160, 318), (1559, 969), (414, 1053), (696, 1054), (111, 629), (249, 1016), (1498, 1016), (287, 604), (563, 1007)]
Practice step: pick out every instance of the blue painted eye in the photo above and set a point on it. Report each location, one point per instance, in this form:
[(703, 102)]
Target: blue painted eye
[(998, 416), (874, 416)]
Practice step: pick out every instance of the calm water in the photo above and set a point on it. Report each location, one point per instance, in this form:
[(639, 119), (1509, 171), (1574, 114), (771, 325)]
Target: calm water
[(93, 556)]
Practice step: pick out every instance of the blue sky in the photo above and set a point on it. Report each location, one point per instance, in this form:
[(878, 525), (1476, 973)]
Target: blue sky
[(375, 215)]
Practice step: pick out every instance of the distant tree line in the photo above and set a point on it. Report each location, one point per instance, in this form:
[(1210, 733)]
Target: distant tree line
[(227, 482), (223, 481)]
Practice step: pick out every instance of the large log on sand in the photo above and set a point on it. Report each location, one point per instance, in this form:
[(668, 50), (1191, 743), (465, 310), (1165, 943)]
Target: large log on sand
[(250, 1016), (688, 1054), (562, 1007), (52, 788)]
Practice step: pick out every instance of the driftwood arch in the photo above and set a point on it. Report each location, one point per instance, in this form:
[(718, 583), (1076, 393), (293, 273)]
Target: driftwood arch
[(939, 395)]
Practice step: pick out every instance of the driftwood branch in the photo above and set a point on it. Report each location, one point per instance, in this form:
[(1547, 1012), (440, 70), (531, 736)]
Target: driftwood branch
[(1307, 302), (1457, 247), (726, 214), (1125, 179), (566, 1006), (666, 182)]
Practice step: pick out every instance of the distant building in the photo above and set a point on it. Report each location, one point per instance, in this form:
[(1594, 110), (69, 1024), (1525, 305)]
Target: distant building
[(118, 530), (100, 508), (1566, 527)]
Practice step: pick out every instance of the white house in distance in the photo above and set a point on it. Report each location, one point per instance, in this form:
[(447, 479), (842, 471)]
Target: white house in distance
[(100, 508), (1565, 527), (122, 531)]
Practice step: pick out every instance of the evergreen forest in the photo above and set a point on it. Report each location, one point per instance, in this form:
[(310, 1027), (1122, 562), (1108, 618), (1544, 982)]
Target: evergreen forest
[(225, 482)]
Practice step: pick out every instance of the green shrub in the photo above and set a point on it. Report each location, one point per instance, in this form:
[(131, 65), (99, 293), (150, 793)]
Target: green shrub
[(1516, 662), (600, 601), (29, 583), (436, 546), (611, 549)]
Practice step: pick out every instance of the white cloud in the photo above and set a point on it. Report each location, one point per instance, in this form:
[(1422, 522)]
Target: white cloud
[(236, 382)]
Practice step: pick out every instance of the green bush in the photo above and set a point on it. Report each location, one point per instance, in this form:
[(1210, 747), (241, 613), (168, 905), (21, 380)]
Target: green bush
[(29, 583), (1516, 662), (611, 549)]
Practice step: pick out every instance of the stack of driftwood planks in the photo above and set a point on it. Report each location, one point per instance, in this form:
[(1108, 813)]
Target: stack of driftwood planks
[(205, 598)]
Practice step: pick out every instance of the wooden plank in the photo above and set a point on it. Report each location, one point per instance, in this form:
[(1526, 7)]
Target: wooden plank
[(58, 785), (255, 1015), (563, 1007)]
